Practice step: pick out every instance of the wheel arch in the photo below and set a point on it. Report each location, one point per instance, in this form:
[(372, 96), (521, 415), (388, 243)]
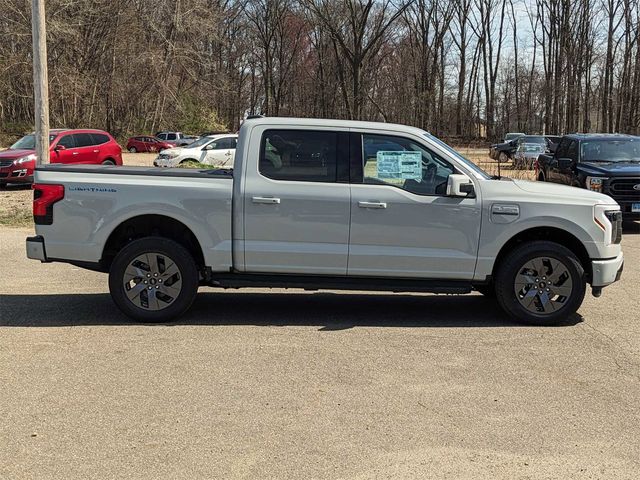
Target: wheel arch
[(552, 234), (150, 225)]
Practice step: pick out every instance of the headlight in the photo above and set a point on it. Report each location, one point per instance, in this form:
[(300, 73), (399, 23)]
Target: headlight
[(609, 219), (28, 158), (595, 183)]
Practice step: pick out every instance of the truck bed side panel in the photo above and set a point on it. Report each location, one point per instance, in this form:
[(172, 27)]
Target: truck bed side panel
[(95, 204)]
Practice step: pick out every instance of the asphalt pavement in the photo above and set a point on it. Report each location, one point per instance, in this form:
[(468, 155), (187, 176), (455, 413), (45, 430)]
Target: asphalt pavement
[(262, 384)]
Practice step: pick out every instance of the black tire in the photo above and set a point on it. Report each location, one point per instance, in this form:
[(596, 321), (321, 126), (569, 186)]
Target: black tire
[(3, 185), (541, 177), (108, 162), (187, 272), (133, 150), (512, 270), (503, 157)]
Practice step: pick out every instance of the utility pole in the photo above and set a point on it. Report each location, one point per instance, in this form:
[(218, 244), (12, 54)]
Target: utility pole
[(40, 81)]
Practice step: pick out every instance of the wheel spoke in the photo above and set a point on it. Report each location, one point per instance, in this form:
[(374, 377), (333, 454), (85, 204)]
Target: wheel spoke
[(134, 291), (152, 261), (134, 272), (171, 270)]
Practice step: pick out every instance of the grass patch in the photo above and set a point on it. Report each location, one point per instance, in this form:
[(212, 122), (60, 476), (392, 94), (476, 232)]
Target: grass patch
[(198, 166), (16, 216)]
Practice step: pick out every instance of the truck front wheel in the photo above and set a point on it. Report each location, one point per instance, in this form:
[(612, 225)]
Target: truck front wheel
[(540, 283), (153, 279)]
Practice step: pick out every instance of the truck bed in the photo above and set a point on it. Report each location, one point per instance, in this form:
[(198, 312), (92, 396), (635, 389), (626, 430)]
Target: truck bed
[(100, 200)]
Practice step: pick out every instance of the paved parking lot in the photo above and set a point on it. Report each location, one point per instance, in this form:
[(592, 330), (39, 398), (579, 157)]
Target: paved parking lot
[(311, 385)]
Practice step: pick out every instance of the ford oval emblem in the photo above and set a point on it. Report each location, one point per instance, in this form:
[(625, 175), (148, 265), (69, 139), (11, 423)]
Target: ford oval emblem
[(636, 187)]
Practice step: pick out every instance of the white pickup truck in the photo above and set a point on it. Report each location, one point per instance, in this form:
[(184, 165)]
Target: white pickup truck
[(329, 204)]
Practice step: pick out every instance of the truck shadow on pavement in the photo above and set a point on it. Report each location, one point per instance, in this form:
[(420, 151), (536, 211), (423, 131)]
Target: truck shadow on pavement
[(329, 311)]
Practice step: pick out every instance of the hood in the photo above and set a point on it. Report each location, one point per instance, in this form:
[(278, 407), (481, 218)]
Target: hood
[(563, 192), (173, 151), (13, 154), (614, 168)]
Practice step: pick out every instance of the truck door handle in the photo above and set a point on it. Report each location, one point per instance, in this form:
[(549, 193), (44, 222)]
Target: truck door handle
[(266, 200), (74, 153), (372, 204)]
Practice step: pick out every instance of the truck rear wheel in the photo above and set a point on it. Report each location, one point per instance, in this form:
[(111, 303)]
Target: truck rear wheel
[(153, 279), (540, 283)]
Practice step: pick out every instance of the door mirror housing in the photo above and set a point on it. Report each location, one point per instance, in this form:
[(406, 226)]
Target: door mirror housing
[(460, 186), (59, 148), (564, 163)]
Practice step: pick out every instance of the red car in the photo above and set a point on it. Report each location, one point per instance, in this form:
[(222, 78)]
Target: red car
[(145, 143), (65, 146)]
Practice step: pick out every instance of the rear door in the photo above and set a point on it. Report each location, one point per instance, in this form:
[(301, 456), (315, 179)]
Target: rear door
[(296, 201), (87, 151), (402, 222)]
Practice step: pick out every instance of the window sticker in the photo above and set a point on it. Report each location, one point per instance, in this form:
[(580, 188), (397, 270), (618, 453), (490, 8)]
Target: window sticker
[(399, 165)]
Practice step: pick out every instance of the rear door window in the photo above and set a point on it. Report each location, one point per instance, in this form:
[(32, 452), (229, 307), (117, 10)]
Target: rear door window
[(171, 136), (99, 138), (299, 155), (83, 139)]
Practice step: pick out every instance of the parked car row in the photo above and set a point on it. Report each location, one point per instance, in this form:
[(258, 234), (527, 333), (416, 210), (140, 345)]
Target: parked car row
[(522, 149), (18, 162)]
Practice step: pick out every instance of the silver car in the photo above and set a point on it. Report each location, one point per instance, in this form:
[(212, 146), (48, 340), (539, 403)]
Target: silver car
[(527, 151)]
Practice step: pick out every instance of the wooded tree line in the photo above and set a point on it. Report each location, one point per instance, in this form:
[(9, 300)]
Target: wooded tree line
[(457, 68)]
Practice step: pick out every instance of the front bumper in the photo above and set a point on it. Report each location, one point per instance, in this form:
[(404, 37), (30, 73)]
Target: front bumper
[(19, 174), (605, 272), (35, 248), (164, 162)]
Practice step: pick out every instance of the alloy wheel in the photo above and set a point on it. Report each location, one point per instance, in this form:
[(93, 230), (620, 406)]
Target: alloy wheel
[(152, 281), (543, 285)]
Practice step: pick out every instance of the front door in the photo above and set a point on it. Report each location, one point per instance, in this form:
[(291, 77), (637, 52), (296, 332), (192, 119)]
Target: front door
[(402, 222), (65, 150), (296, 211)]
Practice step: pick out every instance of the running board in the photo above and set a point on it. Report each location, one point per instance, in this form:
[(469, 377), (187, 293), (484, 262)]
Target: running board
[(319, 282)]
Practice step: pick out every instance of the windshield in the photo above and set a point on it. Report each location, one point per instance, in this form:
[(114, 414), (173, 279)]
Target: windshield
[(512, 136), (534, 139), (28, 142), (464, 160), (611, 150), (200, 142)]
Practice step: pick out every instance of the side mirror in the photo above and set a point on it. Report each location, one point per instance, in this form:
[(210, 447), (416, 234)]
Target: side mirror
[(459, 186), (59, 148), (564, 163)]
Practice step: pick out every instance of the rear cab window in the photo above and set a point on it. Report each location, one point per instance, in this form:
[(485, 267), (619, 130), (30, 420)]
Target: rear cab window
[(303, 155)]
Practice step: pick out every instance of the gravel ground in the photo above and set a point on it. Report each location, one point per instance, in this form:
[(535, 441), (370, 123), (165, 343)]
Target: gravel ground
[(268, 384)]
